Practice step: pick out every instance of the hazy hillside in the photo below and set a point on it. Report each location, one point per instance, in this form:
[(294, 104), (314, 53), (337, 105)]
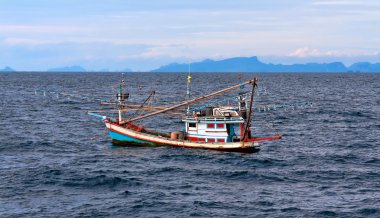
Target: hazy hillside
[(252, 64)]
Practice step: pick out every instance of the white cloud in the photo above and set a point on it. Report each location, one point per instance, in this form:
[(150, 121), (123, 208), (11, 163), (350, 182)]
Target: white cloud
[(346, 3), (312, 52), (28, 42), (337, 2), (159, 51), (308, 52), (41, 29)]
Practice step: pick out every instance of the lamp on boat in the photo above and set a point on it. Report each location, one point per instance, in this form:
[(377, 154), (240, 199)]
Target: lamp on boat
[(122, 96)]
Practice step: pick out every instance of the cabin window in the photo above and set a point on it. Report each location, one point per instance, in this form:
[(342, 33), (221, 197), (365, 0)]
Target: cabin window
[(192, 125), (210, 140), (210, 126), (201, 139), (220, 125), (221, 140)]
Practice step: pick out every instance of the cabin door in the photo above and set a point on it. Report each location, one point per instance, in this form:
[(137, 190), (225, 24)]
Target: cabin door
[(230, 132)]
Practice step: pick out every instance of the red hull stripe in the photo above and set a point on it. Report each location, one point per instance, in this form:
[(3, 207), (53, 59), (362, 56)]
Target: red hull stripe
[(247, 149)]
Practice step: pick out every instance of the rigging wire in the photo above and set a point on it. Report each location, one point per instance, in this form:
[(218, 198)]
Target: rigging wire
[(152, 93)]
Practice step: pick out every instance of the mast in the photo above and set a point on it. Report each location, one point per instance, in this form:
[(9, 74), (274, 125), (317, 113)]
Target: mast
[(193, 100), (188, 90), (120, 98), (248, 123), (119, 108)]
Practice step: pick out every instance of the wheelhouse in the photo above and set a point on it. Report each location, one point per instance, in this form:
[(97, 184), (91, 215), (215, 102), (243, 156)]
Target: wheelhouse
[(214, 125)]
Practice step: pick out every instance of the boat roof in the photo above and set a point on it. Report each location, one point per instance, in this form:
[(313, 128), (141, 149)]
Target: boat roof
[(212, 119)]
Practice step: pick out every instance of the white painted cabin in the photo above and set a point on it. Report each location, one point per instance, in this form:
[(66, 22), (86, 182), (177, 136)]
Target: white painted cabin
[(223, 125)]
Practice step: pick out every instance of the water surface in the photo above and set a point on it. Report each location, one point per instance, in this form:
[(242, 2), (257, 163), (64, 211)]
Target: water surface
[(58, 161)]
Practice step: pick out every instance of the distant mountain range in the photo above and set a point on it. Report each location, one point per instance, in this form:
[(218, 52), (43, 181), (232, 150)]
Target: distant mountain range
[(68, 69), (76, 68), (252, 64), (7, 70), (242, 64)]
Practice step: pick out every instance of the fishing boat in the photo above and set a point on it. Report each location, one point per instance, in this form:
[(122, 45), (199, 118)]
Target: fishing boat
[(223, 128)]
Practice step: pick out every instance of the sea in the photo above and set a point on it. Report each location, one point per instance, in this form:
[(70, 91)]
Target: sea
[(57, 161)]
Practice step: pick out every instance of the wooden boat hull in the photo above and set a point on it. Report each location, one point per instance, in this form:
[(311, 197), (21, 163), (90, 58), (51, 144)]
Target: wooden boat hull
[(124, 136)]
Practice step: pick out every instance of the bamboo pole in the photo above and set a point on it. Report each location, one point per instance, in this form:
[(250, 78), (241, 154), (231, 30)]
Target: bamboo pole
[(193, 100), (131, 106), (143, 109)]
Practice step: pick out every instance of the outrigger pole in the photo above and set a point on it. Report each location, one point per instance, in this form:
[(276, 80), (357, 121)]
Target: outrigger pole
[(194, 100)]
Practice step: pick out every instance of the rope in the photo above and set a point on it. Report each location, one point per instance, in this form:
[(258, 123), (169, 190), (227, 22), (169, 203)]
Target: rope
[(152, 93), (293, 105)]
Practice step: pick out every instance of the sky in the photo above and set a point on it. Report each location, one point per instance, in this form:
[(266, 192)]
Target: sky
[(143, 35)]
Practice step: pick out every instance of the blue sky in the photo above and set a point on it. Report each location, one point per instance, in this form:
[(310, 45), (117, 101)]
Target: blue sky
[(142, 35)]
